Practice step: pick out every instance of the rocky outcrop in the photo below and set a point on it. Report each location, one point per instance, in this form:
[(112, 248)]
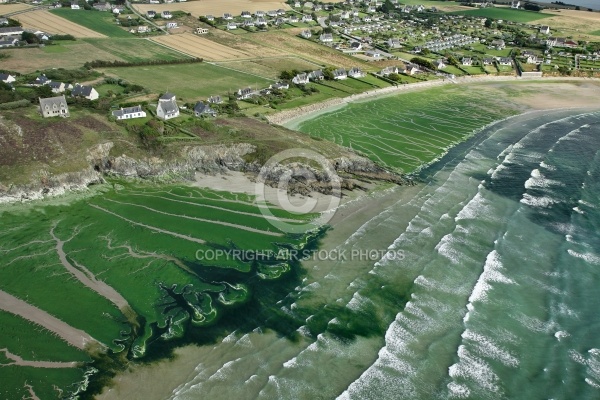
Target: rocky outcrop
[(210, 160), (191, 159), (46, 185)]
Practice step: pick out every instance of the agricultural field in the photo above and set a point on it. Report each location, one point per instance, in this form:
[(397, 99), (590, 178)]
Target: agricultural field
[(101, 22), (196, 46), (246, 43), (214, 7), (286, 39), (270, 67), (129, 270), (64, 54), (52, 23), (134, 49), (189, 82), (13, 7), (506, 14), (406, 130), (580, 24)]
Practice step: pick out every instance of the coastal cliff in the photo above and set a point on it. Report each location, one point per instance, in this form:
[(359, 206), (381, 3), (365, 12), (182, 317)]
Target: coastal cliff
[(210, 159)]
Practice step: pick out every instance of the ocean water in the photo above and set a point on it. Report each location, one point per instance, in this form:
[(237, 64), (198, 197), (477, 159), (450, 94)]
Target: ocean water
[(489, 286), (593, 4)]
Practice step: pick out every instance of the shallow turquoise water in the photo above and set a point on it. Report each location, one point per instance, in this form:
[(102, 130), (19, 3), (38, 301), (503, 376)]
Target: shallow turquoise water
[(496, 294)]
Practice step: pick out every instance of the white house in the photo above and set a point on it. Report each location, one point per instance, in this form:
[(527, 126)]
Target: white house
[(280, 85), (340, 74), (7, 78), (515, 4), (151, 14), (300, 79), (129, 113), (394, 43), (171, 25), (356, 72), (545, 30), (166, 14), (167, 107), (57, 87), (201, 31), (306, 34), (467, 61), (326, 38), (86, 92), (374, 53), (245, 93), (231, 26)]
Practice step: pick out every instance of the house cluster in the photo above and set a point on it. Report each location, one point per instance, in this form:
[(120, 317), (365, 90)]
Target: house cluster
[(450, 42), (247, 93), (106, 6), (561, 42), (10, 36), (246, 19), (318, 75), (77, 90), (409, 69)]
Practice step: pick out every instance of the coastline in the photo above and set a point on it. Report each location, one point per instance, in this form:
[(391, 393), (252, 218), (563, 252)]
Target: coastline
[(292, 118), (165, 379)]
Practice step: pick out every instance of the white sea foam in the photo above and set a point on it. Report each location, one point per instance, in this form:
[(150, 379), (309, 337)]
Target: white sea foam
[(491, 273), (587, 204), (477, 207), (458, 391), (486, 347), (538, 180), (587, 257), (547, 166), (447, 249), (543, 202), (561, 335), (476, 370)]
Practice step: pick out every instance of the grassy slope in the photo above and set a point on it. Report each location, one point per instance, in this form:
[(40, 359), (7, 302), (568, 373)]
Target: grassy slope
[(134, 49), (99, 21), (189, 81)]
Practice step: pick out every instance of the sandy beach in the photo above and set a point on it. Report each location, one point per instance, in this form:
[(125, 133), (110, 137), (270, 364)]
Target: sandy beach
[(292, 118)]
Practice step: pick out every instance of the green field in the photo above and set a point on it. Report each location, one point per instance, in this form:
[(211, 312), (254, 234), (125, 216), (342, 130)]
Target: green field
[(505, 14), (407, 130), (101, 22), (595, 33), (154, 246), (134, 50), (189, 81)]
